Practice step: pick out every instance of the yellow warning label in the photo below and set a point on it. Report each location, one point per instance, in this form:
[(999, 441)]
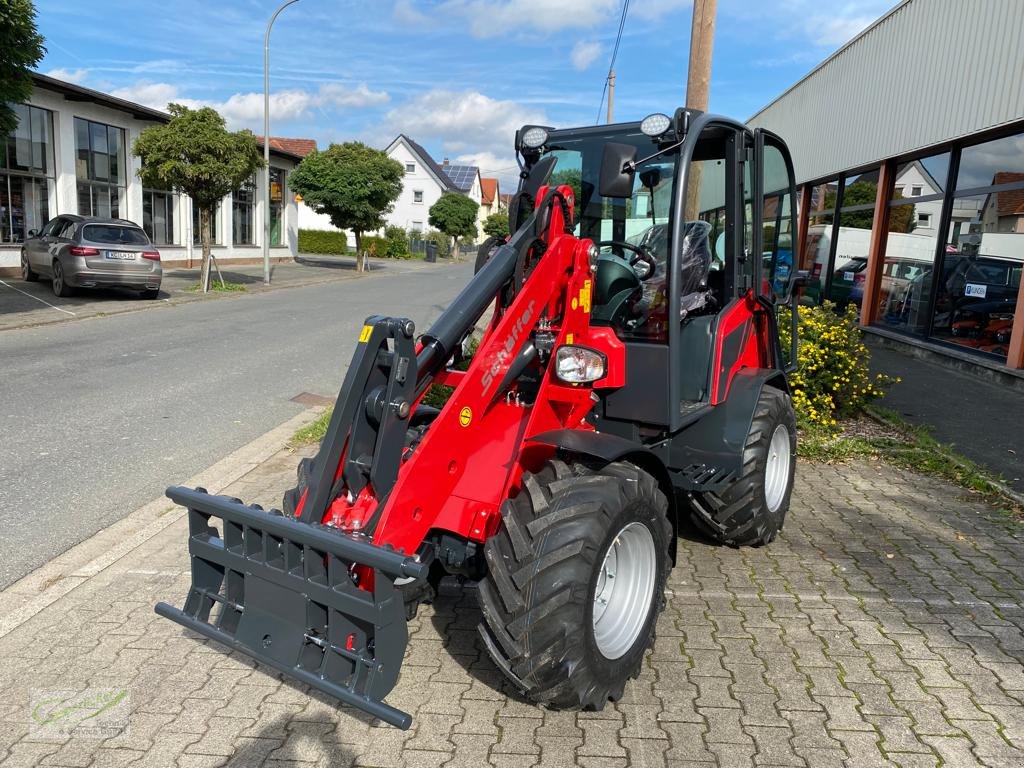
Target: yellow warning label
[(585, 296), (364, 335), (568, 338), (466, 416)]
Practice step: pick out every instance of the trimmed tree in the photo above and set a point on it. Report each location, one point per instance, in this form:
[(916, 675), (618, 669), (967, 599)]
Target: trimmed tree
[(455, 215), (197, 155), (21, 48), (351, 183), (496, 225)]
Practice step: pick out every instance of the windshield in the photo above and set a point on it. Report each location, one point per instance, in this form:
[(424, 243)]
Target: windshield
[(641, 221), (114, 234)]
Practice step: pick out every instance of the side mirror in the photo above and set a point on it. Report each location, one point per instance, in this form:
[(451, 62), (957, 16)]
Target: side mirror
[(33, 233), (616, 179)]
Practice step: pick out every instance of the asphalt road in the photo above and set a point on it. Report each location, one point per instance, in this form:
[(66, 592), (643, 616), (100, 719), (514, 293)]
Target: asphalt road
[(99, 416)]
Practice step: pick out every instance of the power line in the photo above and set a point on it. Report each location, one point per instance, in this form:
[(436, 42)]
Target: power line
[(615, 52)]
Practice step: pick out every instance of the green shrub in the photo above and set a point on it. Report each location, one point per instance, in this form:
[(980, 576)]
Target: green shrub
[(396, 243), (323, 241), (833, 379), (440, 239), (373, 245)]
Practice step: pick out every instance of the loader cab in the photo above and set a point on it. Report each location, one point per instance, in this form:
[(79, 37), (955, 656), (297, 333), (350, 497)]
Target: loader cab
[(690, 223)]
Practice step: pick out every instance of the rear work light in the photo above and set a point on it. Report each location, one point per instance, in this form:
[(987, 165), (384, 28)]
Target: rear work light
[(151, 255), (579, 365), (83, 250)]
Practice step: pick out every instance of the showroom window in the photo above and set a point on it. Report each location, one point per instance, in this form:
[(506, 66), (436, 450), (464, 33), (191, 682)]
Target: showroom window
[(243, 214), (277, 189), (818, 246), (100, 168), (26, 174), (852, 238), (976, 293), (905, 290), (158, 215), (197, 237)]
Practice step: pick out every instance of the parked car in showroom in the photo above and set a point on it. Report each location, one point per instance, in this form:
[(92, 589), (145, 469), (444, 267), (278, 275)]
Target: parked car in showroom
[(89, 252)]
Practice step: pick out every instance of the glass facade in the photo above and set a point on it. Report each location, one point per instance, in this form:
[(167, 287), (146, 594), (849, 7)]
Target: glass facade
[(954, 244), (243, 214), (158, 216), (277, 198), (100, 168), (26, 174)]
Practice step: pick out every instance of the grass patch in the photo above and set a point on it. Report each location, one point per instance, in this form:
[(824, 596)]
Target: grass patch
[(313, 432), (219, 287), (896, 441)]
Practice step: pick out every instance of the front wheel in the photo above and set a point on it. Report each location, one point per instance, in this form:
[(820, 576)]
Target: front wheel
[(752, 509), (575, 582), (28, 274)]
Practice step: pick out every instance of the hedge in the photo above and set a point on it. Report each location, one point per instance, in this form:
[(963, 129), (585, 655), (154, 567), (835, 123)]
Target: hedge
[(323, 241)]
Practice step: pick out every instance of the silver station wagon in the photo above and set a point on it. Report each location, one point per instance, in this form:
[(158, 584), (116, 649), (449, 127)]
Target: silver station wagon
[(85, 252)]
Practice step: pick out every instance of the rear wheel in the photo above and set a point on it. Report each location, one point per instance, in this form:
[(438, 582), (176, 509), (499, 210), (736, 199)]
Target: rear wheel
[(27, 273), (60, 285), (575, 582), (752, 510)]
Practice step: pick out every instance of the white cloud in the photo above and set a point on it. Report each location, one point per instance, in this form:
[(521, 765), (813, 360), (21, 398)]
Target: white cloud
[(405, 12), (584, 53), (492, 18), (835, 30), (502, 166), (69, 75), (245, 110), (652, 10), (463, 121)]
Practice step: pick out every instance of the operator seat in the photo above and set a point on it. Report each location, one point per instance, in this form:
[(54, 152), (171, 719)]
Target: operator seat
[(695, 265)]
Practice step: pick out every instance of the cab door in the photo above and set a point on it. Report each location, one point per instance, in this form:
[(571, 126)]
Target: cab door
[(774, 216)]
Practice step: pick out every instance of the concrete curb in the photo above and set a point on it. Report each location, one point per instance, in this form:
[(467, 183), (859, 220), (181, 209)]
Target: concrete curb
[(34, 592)]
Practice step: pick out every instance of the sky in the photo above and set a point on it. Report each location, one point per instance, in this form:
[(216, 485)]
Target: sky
[(458, 76)]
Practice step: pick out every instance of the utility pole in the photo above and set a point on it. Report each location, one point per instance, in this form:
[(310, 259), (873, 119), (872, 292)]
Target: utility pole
[(266, 144), (698, 84), (702, 41), (611, 94)]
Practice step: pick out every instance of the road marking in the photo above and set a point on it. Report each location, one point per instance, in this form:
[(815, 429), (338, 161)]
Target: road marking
[(65, 311)]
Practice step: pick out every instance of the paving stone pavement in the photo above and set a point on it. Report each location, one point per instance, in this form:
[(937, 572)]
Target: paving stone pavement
[(884, 627)]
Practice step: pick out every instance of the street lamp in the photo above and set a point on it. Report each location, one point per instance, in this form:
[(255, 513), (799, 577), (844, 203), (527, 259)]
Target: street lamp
[(266, 143)]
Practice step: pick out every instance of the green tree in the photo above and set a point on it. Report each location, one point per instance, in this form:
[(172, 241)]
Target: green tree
[(454, 214), (901, 218), (496, 225), (352, 183), (573, 177), (197, 155), (21, 48)]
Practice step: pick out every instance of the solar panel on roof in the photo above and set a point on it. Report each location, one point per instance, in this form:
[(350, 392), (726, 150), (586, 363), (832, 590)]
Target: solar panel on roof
[(462, 176)]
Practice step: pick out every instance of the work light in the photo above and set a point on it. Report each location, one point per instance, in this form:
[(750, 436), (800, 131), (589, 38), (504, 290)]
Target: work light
[(578, 365), (655, 125)]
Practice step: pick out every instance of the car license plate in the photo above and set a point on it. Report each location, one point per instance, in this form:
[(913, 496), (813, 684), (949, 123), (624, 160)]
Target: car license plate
[(121, 255), (848, 277)]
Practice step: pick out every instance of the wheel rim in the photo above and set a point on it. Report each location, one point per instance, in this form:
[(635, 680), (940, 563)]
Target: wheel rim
[(776, 471), (58, 276), (24, 267), (624, 590)]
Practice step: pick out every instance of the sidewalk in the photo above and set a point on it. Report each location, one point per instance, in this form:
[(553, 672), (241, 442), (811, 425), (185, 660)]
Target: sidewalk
[(884, 627), (980, 419), (28, 304)]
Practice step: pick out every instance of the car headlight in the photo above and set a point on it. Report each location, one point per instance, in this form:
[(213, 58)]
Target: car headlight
[(578, 365)]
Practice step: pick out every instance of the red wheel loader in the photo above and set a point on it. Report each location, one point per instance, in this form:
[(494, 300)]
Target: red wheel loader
[(630, 376)]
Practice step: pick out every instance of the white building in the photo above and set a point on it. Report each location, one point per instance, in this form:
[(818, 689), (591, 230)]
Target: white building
[(424, 182), (71, 153)]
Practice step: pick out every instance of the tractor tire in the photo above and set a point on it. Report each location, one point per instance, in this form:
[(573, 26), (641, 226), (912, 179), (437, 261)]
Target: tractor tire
[(752, 510), (486, 250), (556, 620)]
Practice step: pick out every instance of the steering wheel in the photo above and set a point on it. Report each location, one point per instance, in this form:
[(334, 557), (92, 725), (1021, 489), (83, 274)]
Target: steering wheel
[(639, 254)]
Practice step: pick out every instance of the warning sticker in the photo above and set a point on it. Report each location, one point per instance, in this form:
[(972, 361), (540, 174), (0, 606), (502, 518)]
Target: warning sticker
[(466, 416), (364, 335)]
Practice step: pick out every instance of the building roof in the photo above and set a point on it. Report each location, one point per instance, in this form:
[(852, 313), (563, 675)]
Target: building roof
[(428, 162), (488, 190), (1009, 202), (296, 147), (462, 176)]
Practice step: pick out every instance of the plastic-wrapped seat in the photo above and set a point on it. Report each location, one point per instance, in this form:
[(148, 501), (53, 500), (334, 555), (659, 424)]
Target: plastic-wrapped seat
[(695, 266)]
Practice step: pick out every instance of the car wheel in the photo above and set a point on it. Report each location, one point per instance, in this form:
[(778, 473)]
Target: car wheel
[(60, 285), (151, 294), (27, 273)]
